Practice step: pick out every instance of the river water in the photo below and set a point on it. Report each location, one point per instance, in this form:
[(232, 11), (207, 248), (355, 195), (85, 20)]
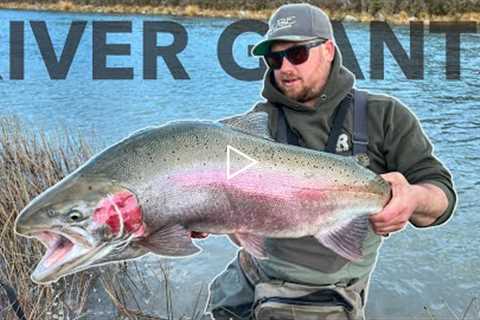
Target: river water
[(437, 268)]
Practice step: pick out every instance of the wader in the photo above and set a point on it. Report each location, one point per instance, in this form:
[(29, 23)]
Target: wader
[(245, 291)]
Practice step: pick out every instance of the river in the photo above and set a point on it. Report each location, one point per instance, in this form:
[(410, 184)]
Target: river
[(416, 268)]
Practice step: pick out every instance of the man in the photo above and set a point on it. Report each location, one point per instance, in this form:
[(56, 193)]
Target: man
[(304, 87)]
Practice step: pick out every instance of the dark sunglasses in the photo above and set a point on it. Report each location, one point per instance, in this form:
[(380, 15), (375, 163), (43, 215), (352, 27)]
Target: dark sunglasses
[(295, 55)]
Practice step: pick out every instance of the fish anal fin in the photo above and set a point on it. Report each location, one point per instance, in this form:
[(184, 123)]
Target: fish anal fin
[(172, 240), (253, 244), (347, 240)]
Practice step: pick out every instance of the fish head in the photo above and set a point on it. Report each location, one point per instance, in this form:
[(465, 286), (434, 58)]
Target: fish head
[(83, 223)]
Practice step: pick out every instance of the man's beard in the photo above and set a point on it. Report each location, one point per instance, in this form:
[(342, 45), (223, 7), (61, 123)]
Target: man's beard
[(304, 95)]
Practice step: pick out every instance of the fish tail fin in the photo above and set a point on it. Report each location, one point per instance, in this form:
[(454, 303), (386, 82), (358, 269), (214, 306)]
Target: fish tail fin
[(346, 240)]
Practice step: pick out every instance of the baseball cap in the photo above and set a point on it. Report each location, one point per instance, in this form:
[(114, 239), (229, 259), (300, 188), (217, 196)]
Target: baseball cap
[(295, 22)]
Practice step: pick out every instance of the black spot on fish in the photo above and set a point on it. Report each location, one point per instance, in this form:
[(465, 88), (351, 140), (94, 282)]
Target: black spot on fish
[(90, 188), (173, 151)]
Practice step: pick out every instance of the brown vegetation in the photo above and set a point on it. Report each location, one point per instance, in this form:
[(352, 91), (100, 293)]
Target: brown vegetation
[(396, 11), (29, 163)]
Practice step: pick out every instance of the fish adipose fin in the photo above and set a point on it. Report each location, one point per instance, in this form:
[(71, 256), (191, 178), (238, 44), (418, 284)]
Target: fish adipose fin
[(347, 240), (254, 123), (362, 159), (173, 240), (253, 244)]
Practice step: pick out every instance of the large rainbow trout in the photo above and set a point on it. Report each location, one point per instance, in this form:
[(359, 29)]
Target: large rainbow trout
[(147, 193)]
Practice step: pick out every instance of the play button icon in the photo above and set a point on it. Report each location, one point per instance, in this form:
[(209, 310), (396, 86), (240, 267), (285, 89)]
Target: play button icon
[(237, 162)]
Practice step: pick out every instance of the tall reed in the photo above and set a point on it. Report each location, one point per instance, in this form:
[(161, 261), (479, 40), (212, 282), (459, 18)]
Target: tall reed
[(30, 162)]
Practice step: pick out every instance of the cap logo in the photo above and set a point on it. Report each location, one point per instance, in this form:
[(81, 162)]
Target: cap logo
[(282, 23)]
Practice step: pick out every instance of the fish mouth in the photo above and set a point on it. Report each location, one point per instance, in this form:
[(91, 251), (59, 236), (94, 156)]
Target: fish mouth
[(65, 254)]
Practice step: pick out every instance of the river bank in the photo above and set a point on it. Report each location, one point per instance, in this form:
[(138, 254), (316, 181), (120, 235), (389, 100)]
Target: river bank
[(194, 10)]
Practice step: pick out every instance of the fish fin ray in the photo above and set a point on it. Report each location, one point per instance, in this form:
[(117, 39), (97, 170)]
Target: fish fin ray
[(254, 123), (253, 244), (346, 240), (172, 240)]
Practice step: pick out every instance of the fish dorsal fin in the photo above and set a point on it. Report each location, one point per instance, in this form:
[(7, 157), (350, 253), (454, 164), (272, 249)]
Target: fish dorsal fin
[(172, 240), (347, 240), (254, 123), (253, 244)]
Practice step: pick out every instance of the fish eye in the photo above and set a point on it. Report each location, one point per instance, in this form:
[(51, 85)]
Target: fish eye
[(51, 213), (75, 215)]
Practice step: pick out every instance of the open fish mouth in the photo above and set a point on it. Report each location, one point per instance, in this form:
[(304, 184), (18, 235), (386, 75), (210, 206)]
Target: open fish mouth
[(65, 254)]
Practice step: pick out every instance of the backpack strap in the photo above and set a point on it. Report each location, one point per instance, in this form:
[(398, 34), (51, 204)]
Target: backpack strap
[(284, 133), (360, 122), (357, 99), (338, 121)]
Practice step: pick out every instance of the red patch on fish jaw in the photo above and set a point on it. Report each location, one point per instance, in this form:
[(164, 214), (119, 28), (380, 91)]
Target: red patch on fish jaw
[(109, 209)]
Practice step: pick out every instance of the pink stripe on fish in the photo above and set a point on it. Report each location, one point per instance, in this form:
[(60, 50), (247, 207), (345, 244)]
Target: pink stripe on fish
[(271, 184)]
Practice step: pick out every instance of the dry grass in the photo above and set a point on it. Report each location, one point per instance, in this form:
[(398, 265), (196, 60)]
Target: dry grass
[(29, 163), (194, 10)]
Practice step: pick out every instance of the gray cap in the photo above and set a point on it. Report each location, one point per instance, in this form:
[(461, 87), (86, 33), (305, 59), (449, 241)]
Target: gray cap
[(295, 22)]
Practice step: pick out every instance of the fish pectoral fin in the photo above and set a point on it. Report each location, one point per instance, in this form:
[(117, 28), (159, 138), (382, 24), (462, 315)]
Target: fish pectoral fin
[(253, 244), (172, 240), (347, 240), (254, 123)]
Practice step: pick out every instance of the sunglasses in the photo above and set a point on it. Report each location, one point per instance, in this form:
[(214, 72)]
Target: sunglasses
[(295, 55)]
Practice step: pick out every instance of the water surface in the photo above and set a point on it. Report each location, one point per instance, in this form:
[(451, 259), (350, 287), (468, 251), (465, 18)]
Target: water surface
[(433, 267)]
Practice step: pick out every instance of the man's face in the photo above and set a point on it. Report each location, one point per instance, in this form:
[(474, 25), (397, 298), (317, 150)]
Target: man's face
[(304, 82)]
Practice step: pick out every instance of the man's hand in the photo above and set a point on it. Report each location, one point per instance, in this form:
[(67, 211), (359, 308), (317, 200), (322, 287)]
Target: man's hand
[(420, 203), (397, 212)]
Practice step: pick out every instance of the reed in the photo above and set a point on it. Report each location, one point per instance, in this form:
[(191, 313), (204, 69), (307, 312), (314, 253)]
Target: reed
[(393, 11), (30, 162)]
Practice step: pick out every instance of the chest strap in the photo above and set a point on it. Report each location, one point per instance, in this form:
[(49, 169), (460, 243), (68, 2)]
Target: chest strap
[(338, 121), (357, 99), (360, 122), (284, 133)]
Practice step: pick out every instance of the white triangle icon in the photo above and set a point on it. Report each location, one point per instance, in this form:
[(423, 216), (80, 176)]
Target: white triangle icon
[(251, 162)]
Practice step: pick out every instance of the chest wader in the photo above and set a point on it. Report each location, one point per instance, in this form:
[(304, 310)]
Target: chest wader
[(281, 300)]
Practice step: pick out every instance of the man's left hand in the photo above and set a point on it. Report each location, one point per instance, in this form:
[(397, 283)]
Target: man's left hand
[(394, 217)]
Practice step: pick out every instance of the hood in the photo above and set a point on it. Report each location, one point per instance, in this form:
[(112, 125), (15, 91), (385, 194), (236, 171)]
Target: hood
[(312, 125)]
